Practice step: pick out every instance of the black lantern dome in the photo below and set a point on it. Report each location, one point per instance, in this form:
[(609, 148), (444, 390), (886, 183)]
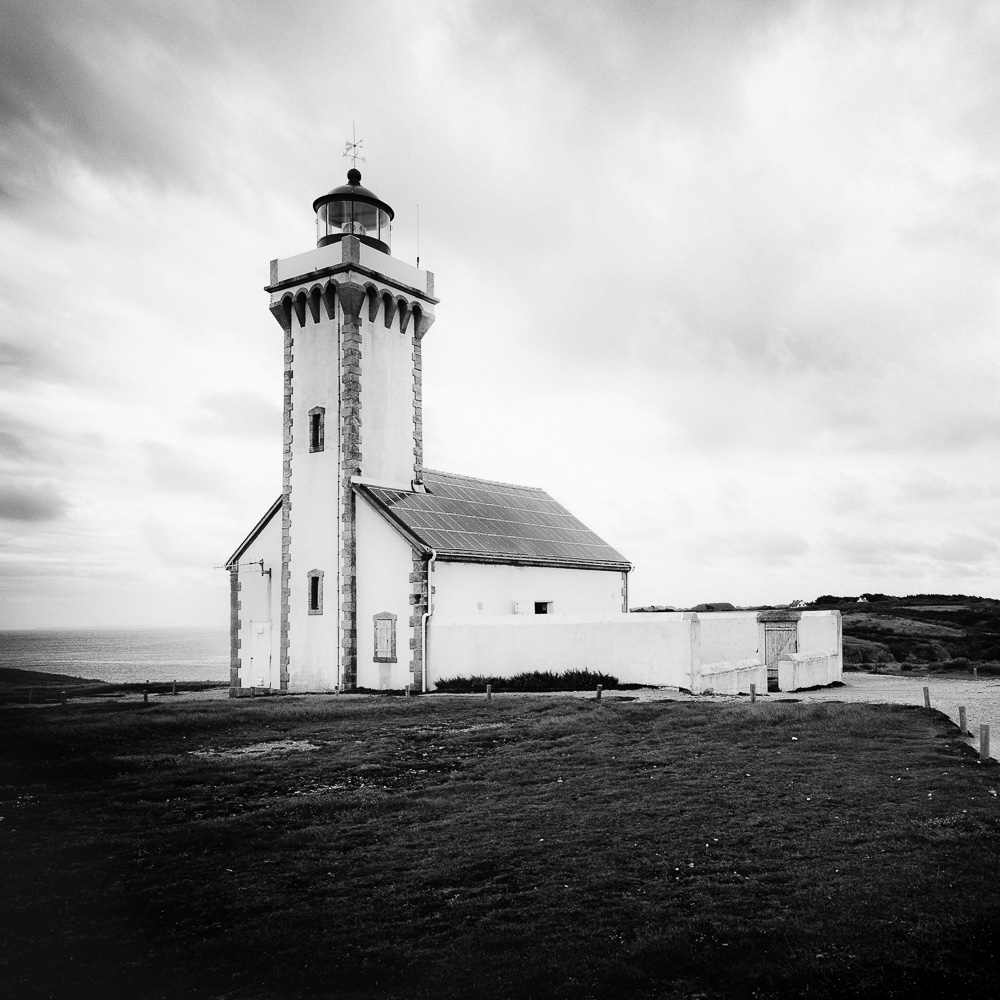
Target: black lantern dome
[(353, 210)]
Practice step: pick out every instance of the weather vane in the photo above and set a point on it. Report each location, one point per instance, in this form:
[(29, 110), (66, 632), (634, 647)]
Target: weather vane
[(352, 149)]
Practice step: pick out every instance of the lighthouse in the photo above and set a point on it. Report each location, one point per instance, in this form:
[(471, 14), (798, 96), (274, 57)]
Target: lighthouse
[(365, 572)]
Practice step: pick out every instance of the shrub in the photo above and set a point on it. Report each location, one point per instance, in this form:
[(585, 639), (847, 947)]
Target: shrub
[(538, 680)]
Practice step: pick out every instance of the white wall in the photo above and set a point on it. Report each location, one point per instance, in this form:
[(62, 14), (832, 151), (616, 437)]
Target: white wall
[(806, 670), (700, 652), (465, 590), (313, 640), (395, 269), (819, 630), (635, 648), (387, 413), (384, 565), (260, 601), (728, 635)]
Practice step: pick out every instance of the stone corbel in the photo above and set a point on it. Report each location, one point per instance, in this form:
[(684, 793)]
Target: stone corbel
[(299, 303), (352, 298), (314, 300), (388, 309), (405, 311), (330, 298), (282, 312), (422, 324)]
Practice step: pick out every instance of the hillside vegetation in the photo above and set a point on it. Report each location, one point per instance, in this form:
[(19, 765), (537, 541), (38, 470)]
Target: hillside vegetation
[(945, 631)]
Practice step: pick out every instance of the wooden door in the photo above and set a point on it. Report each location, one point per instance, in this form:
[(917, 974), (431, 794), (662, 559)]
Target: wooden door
[(260, 654), (779, 637)]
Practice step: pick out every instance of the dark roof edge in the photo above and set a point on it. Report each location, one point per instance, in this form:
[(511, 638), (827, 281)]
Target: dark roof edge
[(491, 482), (334, 269), (408, 534), (259, 527), (453, 555)]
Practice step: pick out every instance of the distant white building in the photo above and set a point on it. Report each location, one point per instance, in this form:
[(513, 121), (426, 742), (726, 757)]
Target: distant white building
[(370, 571)]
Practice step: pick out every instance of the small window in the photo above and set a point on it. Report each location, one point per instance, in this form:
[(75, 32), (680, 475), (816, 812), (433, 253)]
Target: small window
[(315, 580), (543, 607), (317, 418), (385, 637)]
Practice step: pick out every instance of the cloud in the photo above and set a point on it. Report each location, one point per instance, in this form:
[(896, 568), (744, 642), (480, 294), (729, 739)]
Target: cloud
[(174, 471), (965, 549), (31, 503), (125, 90), (240, 413)]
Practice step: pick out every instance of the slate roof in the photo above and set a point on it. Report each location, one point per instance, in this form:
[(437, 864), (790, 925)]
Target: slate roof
[(474, 520)]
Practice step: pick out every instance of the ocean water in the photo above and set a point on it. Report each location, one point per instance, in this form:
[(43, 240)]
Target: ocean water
[(121, 655)]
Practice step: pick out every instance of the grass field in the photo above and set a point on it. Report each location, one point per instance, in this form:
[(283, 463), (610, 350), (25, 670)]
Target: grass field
[(448, 847)]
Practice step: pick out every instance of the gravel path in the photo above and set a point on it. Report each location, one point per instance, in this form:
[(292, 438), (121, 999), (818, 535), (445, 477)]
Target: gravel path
[(981, 698)]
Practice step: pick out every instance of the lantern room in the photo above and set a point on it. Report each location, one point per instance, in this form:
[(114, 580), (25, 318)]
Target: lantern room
[(353, 210)]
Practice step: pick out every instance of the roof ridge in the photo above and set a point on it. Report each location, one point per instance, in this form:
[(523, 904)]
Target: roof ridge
[(479, 479)]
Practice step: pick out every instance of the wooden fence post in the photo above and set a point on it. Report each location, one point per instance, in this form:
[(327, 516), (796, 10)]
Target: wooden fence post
[(984, 743), (975, 673), (961, 720), (753, 693), (927, 697), (407, 690), (145, 694), (599, 692), (173, 688), (489, 692)]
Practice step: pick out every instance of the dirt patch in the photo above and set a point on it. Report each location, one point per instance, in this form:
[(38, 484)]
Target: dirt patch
[(275, 748)]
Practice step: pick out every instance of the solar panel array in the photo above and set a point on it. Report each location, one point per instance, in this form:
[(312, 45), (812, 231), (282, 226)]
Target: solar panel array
[(461, 516)]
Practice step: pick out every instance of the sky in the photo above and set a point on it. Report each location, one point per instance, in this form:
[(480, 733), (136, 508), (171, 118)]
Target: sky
[(721, 277)]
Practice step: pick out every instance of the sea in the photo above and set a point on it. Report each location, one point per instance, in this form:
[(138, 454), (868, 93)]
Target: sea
[(120, 655)]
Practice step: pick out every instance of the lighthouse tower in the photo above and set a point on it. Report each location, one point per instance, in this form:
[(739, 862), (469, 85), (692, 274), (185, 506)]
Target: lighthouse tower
[(353, 318)]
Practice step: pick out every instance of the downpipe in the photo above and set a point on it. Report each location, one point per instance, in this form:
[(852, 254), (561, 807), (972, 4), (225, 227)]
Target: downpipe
[(423, 620)]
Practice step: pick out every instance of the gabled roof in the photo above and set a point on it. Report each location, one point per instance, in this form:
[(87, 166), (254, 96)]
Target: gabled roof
[(260, 526), (474, 520)]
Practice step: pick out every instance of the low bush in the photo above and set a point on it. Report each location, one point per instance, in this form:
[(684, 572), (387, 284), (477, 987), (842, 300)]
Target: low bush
[(537, 680)]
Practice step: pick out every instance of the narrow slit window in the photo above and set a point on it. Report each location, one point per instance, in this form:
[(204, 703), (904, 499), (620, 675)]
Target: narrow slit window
[(543, 607), (315, 580), (317, 419)]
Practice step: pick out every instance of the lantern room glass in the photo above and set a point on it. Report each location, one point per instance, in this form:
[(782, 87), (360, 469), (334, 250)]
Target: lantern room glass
[(350, 217)]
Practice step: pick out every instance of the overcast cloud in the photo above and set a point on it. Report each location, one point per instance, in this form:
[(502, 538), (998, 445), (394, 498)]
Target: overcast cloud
[(722, 278)]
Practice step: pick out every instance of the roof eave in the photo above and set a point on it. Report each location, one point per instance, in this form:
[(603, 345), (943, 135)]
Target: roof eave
[(258, 528), (455, 555)]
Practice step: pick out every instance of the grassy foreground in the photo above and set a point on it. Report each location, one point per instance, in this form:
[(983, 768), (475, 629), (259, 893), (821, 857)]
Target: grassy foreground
[(448, 847)]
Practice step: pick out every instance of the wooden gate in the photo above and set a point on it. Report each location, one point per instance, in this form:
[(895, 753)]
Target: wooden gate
[(779, 637)]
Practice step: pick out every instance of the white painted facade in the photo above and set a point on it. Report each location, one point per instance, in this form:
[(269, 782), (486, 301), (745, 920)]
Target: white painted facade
[(468, 589), (259, 611), (313, 490), (659, 649), (384, 566)]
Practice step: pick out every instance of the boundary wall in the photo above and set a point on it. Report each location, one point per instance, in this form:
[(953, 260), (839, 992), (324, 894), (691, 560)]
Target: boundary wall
[(718, 652)]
